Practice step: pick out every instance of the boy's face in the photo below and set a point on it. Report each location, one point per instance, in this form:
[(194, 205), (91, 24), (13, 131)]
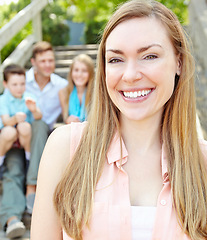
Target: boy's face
[(16, 85)]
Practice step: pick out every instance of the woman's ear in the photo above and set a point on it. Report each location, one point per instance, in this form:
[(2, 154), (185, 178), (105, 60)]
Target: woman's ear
[(179, 65)]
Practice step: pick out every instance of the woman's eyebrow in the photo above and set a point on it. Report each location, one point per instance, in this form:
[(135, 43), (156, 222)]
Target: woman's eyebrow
[(143, 49), (140, 50), (115, 51)]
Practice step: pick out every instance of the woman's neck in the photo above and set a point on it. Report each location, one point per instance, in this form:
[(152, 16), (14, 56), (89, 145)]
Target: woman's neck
[(143, 166), (142, 136)]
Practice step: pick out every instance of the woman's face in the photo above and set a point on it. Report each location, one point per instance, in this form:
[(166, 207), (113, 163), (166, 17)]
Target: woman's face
[(140, 67), (80, 74)]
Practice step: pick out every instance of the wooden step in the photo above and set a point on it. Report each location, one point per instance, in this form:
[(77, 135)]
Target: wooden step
[(71, 54), (64, 56), (76, 47)]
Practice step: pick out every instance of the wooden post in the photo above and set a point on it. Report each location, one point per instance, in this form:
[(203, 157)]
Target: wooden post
[(37, 26)]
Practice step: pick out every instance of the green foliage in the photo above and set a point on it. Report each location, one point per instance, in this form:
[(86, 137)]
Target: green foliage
[(7, 13), (57, 34), (93, 31), (10, 47), (55, 30), (179, 7), (95, 14)]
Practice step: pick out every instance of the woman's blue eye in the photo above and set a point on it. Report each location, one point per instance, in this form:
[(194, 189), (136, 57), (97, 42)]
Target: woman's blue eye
[(149, 57)]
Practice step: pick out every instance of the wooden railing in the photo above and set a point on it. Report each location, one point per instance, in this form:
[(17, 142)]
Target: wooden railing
[(22, 53)]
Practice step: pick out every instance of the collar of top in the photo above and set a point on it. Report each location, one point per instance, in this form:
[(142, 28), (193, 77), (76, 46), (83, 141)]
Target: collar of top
[(31, 77), (114, 155)]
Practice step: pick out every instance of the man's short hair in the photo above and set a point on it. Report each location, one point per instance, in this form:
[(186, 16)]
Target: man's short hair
[(13, 69), (41, 47)]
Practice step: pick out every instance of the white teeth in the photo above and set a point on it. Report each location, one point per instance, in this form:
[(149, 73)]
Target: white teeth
[(136, 93)]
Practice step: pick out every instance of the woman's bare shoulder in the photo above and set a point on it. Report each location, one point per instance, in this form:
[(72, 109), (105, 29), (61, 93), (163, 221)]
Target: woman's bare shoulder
[(62, 135), (54, 160), (57, 149)]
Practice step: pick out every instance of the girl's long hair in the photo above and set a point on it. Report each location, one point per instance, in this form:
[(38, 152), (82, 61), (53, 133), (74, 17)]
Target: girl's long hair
[(74, 194), (88, 61)]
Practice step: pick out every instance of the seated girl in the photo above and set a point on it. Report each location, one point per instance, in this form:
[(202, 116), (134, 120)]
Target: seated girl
[(75, 97)]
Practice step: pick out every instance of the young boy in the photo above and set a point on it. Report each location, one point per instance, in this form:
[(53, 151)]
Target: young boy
[(17, 111)]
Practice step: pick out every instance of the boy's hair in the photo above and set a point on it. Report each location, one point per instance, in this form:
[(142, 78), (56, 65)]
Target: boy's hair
[(13, 69), (41, 47)]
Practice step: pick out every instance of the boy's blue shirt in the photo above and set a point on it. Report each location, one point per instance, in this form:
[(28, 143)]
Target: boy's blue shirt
[(9, 105)]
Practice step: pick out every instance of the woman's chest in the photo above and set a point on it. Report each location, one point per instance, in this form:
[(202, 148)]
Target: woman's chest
[(145, 180), (112, 213), (111, 217)]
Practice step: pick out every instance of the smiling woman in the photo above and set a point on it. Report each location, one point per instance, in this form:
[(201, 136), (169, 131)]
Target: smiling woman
[(135, 78), (138, 159)]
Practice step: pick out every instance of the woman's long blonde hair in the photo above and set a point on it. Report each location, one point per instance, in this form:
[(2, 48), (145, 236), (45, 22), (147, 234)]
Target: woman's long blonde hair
[(74, 194), (88, 61)]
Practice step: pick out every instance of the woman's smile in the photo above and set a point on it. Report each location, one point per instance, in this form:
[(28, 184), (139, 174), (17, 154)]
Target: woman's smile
[(140, 71), (137, 95)]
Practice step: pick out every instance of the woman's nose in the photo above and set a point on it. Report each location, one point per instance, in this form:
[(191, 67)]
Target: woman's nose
[(131, 72)]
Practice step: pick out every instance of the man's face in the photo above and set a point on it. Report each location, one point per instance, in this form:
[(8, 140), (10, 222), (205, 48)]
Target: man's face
[(44, 63)]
